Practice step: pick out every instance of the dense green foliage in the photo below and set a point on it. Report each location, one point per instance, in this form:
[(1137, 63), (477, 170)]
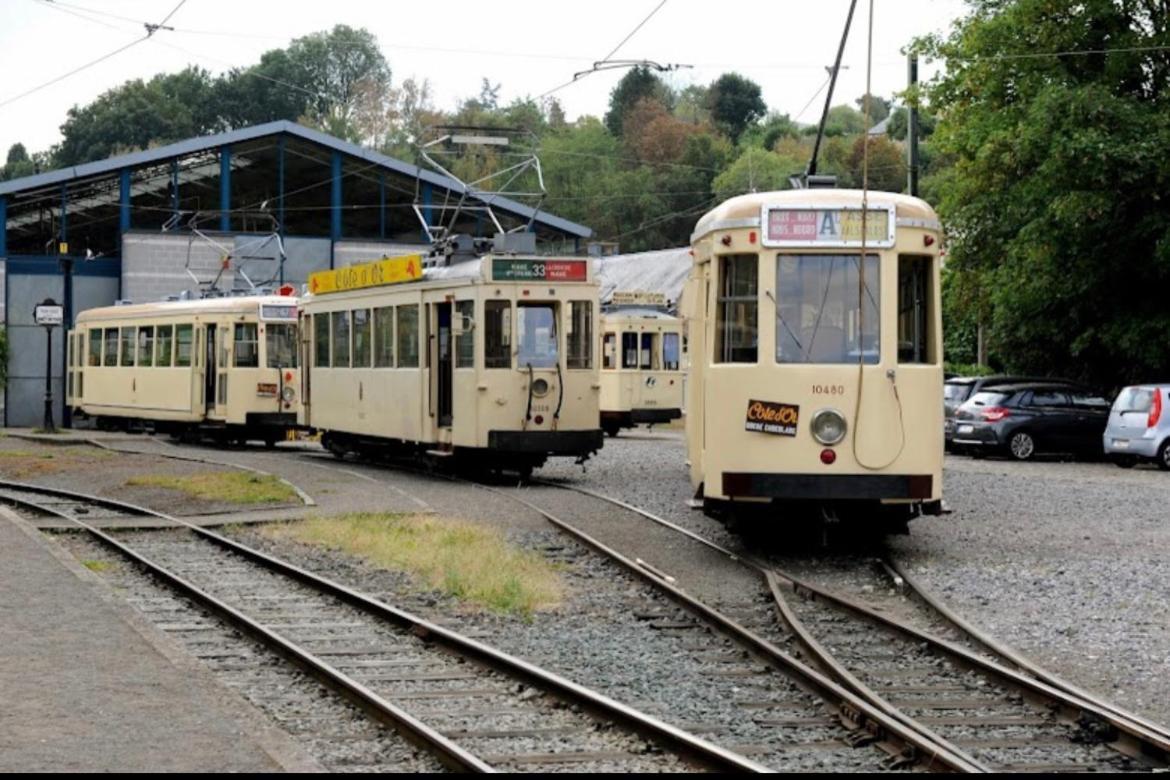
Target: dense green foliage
[(1056, 202)]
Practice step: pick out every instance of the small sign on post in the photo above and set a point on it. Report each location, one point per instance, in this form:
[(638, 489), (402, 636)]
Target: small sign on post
[(49, 314)]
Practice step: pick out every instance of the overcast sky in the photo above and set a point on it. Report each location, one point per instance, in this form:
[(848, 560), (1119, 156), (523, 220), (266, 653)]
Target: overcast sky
[(527, 46)]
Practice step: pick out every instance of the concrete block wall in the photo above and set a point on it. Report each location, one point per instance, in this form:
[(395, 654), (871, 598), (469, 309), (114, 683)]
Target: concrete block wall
[(153, 263), (3, 290), (352, 252)]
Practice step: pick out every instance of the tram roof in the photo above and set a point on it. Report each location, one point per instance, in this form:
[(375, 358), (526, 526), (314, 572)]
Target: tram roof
[(235, 304), (744, 211)]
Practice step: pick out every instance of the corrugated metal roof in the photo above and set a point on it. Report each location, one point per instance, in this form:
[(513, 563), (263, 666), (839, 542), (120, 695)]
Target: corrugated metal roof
[(663, 271), (204, 143)]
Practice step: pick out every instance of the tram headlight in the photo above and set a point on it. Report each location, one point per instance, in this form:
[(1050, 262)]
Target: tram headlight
[(288, 394), (540, 387), (828, 426)]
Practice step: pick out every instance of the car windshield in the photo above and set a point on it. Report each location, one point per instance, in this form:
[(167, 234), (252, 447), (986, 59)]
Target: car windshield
[(955, 392), (1134, 399), (988, 399)]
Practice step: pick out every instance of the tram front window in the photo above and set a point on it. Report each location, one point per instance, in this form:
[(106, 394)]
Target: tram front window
[(817, 314), (280, 343), (538, 335)]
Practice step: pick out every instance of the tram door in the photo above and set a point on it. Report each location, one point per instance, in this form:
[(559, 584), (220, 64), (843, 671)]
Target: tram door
[(444, 364), (209, 373)]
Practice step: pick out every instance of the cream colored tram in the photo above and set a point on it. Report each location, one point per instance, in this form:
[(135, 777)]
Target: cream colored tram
[(486, 363), (816, 379), (641, 364), (224, 366)]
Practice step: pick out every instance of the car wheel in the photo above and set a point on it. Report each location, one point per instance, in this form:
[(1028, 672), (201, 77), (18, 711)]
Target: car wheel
[(1021, 446), (1164, 456)]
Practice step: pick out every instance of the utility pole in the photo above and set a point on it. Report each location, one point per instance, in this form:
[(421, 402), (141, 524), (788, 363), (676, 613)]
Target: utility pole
[(912, 129)]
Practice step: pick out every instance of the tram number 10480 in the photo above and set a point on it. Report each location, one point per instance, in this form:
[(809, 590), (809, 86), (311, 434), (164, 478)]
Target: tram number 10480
[(828, 389)]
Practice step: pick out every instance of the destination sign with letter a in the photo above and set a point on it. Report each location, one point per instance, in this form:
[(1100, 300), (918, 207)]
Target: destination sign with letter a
[(837, 226), (394, 270)]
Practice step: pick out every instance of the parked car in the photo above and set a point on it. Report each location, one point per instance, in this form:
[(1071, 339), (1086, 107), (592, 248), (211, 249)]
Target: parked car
[(1024, 419), (960, 389), (1139, 426)]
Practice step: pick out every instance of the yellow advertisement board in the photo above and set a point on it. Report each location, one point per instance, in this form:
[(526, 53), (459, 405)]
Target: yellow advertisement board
[(394, 270)]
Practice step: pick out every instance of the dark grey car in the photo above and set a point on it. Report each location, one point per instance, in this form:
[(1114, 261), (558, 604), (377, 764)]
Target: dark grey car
[(1022, 420), (960, 389)]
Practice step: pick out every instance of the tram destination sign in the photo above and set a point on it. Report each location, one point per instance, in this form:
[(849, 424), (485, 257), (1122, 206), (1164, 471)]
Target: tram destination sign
[(812, 226), (394, 270), (637, 298), (506, 269)]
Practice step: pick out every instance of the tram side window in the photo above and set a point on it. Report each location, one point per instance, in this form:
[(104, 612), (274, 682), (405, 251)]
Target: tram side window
[(280, 345), (146, 346), (629, 350), (465, 341), (321, 340), (384, 337), (738, 309), (670, 351), (247, 346), (340, 321), (609, 351), (915, 317), (95, 347), (127, 350), (408, 336), (361, 338), (580, 346), (111, 342), (497, 331), (817, 315), (183, 350), (163, 345)]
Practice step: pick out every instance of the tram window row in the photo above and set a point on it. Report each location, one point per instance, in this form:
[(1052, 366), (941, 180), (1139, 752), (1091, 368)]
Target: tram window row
[(390, 336), (654, 354)]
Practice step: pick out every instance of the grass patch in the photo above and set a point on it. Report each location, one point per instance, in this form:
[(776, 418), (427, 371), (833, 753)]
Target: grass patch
[(234, 487), (472, 563), (98, 566)]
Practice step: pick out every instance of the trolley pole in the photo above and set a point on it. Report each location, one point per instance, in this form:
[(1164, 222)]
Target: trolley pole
[(912, 128), (49, 314)]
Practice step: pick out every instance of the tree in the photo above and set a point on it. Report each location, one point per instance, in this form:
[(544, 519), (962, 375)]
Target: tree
[(756, 171), (18, 163), (887, 167), (879, 108), (639, 83), (842, 120), (735, 103), (1055, 204)]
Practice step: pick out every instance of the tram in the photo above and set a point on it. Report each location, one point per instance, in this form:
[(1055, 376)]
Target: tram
[(641, 362), (487, 362), (816, 376), (222, 366)]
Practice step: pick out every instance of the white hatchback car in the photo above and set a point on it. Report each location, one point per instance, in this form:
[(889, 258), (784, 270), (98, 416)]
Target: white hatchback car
[(1139, 426)]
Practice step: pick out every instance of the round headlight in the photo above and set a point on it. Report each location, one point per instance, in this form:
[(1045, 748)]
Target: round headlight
[(288, 393), (539, 387), (828, 426)]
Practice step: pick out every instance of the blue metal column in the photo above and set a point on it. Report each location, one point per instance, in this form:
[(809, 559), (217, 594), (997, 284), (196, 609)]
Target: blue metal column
[(427, 194), (225, 188), (65, 266), (124, 205), (175, 190), (280, 183), (3, 226), (63, 232), (335, 199), (382, 205)]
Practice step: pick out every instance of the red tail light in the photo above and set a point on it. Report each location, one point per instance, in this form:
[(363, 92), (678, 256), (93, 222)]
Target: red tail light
[(995, 413), (1155, 410)]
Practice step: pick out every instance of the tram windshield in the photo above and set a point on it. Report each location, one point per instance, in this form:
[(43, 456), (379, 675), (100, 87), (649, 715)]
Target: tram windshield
[(817, 312), (280, 342), (538, 335)]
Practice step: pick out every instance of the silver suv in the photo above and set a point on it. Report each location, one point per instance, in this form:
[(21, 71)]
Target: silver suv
[(1139, 426)]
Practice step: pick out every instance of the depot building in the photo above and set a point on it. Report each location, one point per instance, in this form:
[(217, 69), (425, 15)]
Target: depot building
[(214, 212)]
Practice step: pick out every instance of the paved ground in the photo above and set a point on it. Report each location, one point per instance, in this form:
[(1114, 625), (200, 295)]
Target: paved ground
[(85, 689)]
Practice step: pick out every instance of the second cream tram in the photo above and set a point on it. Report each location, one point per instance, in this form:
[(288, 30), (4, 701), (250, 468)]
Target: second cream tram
[(816, 376), (220, 366), (641, 363), (487, 362)]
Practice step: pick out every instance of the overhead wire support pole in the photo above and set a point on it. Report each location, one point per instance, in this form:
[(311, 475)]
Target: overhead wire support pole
[(812, 163)]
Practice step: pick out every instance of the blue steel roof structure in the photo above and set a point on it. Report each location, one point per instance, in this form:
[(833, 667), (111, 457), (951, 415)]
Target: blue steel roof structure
[(211, 142)]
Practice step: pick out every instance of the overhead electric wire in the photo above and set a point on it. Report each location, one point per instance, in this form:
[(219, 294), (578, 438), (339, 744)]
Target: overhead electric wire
[(150, 31)]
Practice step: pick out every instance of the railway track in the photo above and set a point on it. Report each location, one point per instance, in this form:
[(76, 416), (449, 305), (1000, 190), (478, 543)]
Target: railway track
[(470, 706), (954, 685)]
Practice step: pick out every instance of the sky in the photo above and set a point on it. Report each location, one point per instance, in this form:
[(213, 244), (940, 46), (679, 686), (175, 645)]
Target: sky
[(526, 46)]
